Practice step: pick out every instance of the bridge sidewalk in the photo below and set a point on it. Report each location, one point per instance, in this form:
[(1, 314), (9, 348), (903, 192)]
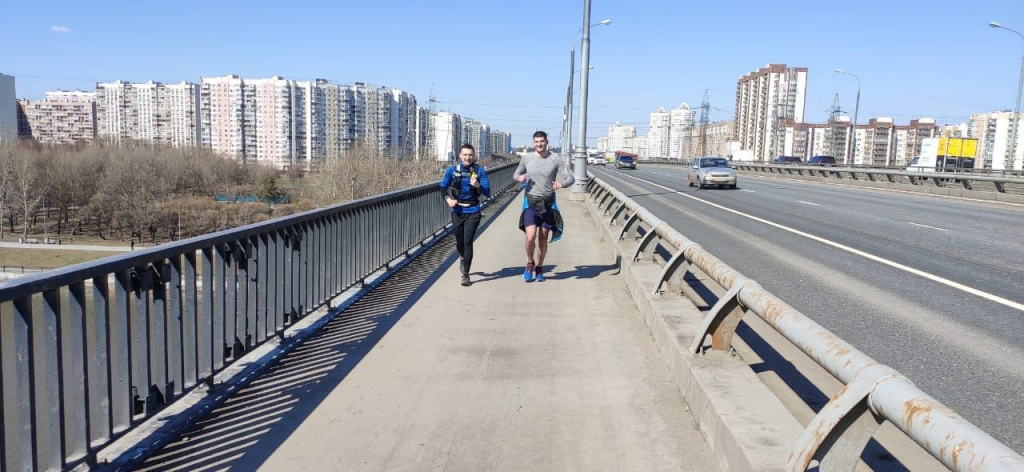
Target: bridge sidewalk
[(425, 374)]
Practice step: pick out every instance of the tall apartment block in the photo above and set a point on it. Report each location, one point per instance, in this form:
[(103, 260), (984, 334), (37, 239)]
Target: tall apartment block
[(501, 142), (476, 134), (70, 96), (681, 120), (447, 135), (993, 133), (658, 138), (57, 122), (8, 109), (150, 112), (765, 100)]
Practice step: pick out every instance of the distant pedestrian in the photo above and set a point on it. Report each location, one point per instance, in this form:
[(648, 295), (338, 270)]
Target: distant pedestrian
[(538, 172), (464, 184), (133, 244)]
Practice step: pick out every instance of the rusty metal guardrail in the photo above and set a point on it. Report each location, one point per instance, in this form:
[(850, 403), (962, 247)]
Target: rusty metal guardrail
[(81, 364), (873, 392), (940, 179)]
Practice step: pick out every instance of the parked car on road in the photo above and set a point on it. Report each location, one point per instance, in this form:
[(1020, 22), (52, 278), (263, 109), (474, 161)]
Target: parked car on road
[(711, 171), (788, 160), (625, 161), (821, 161)]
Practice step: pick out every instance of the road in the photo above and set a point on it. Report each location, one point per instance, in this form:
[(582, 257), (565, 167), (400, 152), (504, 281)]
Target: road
[(931, 286)]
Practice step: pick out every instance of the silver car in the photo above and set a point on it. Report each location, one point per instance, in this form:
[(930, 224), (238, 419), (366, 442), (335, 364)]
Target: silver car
[(711, 171)]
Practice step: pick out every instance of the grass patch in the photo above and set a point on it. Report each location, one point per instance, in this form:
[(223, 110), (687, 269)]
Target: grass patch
[(46, 258)]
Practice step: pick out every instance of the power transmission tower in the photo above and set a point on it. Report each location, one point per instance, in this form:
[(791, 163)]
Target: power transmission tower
[(705, 120), (430, 146), (834, 130)]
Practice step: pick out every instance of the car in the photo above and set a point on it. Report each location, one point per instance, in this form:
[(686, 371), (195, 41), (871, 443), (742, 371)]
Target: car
[(821, 161), (707, 171), (595, 161), (625, 162), (788, 160), (916, 167)]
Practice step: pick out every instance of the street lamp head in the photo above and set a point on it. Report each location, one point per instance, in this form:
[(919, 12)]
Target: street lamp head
[(994, 24), (839, 71), (605, 22)]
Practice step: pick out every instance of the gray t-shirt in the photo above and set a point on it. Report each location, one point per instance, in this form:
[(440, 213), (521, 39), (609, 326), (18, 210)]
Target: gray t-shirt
[(542, 173)]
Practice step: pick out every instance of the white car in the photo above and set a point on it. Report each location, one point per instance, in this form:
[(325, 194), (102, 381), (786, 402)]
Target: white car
[(711, 171), (914, 167), (595, 161)]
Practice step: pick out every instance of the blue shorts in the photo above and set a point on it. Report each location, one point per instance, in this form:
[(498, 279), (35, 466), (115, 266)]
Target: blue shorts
[(533, 217)]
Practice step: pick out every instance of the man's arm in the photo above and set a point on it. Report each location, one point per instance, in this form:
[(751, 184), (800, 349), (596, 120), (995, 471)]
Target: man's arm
[(485, 183), (521, 170), (567, 178), (446, 182)]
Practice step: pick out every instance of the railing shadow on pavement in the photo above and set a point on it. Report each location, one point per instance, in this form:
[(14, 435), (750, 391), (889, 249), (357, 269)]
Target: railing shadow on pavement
[(248, 428), (588, 271)]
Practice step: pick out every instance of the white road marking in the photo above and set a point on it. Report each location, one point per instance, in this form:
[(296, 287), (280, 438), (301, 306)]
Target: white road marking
[(866, 255), (747, 190), (926, 226), (807, 203)]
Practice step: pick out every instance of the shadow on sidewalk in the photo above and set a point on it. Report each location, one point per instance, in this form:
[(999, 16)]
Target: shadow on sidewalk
[(588, 271), (249, 427)]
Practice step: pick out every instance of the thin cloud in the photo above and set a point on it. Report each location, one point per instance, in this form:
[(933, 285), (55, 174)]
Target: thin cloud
[(60, 29)]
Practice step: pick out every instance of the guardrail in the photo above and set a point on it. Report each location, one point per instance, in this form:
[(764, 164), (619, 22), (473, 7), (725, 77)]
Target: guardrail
[(872, 392), (939, 179), (81, 365), (666, 162)]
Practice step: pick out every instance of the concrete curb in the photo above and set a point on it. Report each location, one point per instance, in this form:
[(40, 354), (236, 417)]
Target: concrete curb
[(746, 425), (926, 189)]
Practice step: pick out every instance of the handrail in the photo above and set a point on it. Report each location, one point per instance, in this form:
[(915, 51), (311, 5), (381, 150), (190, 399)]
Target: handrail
[(872, 389), (83, 362)]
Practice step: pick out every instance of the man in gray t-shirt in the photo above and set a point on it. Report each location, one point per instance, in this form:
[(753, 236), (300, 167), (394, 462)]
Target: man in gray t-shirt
[(538, 171)]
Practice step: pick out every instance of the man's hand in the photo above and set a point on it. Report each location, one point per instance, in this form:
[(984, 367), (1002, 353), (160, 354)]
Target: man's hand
[(521, 178), (451, 202), (557, 185), (474, 182)]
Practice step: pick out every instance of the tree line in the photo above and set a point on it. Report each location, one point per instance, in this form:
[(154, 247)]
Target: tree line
[(146, 194)]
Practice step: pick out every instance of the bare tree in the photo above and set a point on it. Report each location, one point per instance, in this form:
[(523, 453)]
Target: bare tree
[(30, 187), (6, 171)]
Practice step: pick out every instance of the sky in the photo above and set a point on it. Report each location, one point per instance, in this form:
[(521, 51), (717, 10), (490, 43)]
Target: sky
[(505, 62)]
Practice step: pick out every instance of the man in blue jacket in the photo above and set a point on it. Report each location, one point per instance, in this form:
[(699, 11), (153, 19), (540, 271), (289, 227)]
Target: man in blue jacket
[(464, 184)]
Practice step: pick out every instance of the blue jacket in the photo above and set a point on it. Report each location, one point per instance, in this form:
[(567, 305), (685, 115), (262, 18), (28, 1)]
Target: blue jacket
[(456, 184)]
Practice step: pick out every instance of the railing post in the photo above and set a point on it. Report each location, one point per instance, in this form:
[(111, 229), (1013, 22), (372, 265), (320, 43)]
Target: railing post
[(837, 435), (721, 321)]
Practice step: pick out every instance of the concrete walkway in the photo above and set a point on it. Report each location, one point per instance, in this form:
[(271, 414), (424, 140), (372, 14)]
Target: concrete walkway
[(423, 374)]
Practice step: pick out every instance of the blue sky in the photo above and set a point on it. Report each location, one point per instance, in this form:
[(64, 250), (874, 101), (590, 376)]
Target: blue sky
[(505, 62)]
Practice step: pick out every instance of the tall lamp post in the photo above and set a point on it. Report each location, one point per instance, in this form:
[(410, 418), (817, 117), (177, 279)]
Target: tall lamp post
[(1016, 110), (567, 117), (856, 108)]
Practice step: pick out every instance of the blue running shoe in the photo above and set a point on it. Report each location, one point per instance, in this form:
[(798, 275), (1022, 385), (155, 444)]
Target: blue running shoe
[(539, 275), (528, 273)]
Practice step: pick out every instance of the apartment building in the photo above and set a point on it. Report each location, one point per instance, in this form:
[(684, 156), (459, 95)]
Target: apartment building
[(765, 100), (151, 113), (681, 120), (993, 133), (501, 142), (70, 96), (618, 133), (658, 138), (57, 122), (447, 135)]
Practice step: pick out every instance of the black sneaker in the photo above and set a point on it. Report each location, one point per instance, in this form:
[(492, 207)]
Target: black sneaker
[(465, 280)]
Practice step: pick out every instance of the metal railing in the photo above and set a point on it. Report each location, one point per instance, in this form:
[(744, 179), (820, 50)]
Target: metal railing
[(968, 181), (873, 392), (83, 361)]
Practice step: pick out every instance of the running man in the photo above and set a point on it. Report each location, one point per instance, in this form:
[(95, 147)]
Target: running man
[(464, 183), (539, 171)]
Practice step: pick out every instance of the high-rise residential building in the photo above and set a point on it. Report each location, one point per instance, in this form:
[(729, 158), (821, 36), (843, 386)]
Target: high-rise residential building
[(447, 135), (907, 140), (717, 135), (765, 100), (658, 134), (70, 96), (680, 121), (602, 144), (57, 122), (150, 112), (501, 142), (8, 109), (618, 133), (993, 133), (224, 126), (478, 135), (959, 130)]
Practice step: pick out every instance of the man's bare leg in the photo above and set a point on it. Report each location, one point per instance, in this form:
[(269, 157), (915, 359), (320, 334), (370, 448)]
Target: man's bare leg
[(531, 236), (542, 245)]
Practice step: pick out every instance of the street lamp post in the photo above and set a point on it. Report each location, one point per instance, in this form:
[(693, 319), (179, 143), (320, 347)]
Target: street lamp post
[(1016, 110), (580, 162), (567, 118), (856, 108)]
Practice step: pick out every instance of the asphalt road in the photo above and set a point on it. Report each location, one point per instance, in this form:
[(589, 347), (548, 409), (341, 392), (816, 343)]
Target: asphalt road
[(931, 286)]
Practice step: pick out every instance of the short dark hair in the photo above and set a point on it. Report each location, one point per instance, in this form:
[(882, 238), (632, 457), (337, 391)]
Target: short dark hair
[(540, 134), (467, 146)]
